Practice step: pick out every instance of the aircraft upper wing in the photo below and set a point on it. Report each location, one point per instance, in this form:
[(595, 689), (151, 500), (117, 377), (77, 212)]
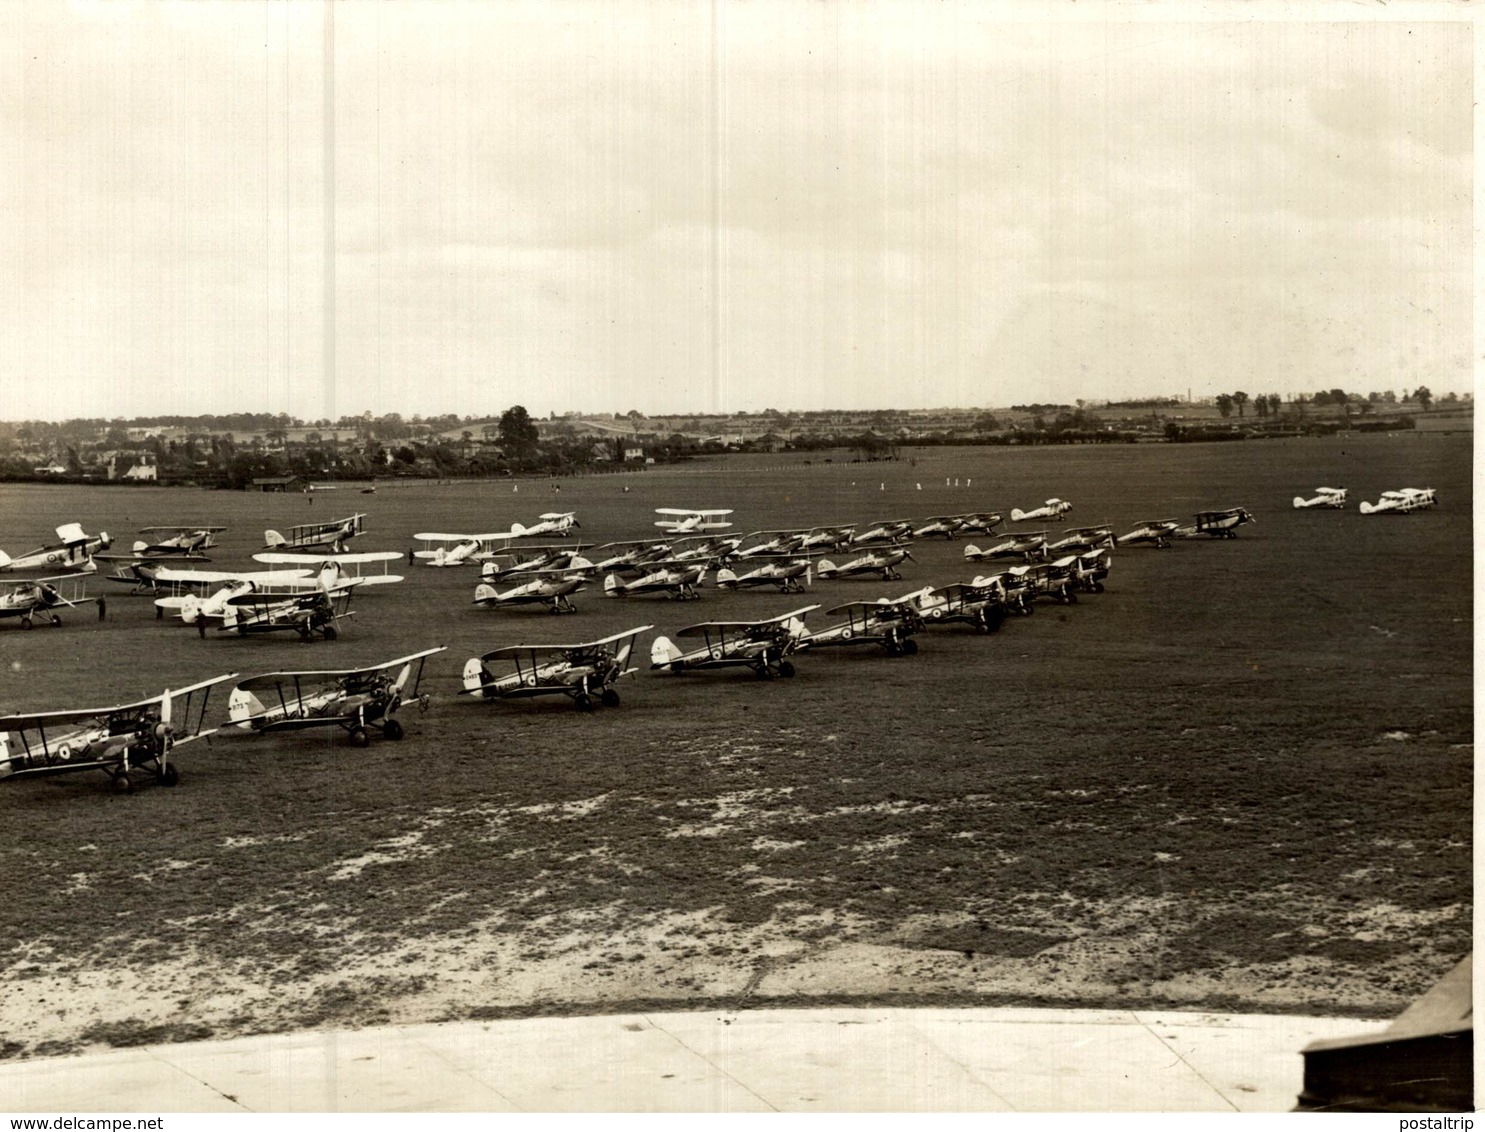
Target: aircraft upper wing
[(271, 679), (558, 514), (187, 529), (705, 626), (34, 720), (692, 511), (278, 557), (209, 577)]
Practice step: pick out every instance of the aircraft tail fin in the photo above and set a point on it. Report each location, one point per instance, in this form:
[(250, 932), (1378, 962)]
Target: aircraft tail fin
[(578, 562), (663, 653), (611, 587), (824, 568), (1300, 501), (1017, 514), (242, 706), (972, 552), (272, 538), (517, 529), (140, 546), (1366, 508), (475, 675), (726, 578), (483, 594), (190, 608), (4, 559)]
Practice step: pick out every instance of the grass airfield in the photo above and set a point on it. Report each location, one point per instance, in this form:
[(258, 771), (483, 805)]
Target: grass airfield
[(1239, 780)]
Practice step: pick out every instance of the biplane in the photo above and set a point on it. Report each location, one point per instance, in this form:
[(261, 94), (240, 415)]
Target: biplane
[(677, 581), (41, 598), (551, 523), (683, 521), (979, 522), (790, 574), (1216, 524), (358, 700), (764, 646), (198, 593), (357, 567), (73, 548), (703, 548), (552, 588), (318, 611), (1025, 545), (1333, 497), (1045, 579), (889, 622), (1156, 532), (119, 741), (882, 561), (836, 537), (307, 536), (173, 542), (524, 560), (1090, 569), (981, 603), (1402, 502), (1051, 509), (946, 525), (456, 550), (883, 531), (629, 556), (584, 672), (1082, 538), (768, 543), (1019, 587)]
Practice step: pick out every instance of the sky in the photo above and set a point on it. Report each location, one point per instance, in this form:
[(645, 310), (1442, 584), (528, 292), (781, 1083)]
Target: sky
[(433, 206)]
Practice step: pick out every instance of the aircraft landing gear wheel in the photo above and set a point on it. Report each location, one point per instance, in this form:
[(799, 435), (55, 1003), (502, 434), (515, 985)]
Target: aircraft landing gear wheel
[(763, 672), (122, 785), (27, 623), (1098, 587), (894, 649), (582, 701), (392, 729), (359, 737), (56, 621), (331, 632), (786, 668), (610, 698), (909, 647), (1072, 598), (169, 776)]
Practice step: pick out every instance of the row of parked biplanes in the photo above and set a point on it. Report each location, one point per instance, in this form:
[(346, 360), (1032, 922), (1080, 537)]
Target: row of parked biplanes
[(135, 741), (1401, 502)]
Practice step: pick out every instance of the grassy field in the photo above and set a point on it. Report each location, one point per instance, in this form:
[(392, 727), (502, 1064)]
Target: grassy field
[(1240, 779)]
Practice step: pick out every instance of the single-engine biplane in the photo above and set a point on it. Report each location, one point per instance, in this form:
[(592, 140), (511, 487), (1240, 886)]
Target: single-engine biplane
[(790, 574), (947, 525), (629, 556), (456, 550), (584, 672), (836, 537), (703, 548), (1156, 532), (764, 544), (677, 581), (358, 567), (552, 523), (119, 741), (684, 522), (173, 542), (1090, 569), (979, 522), (73, 548), (41, 598), (980, 603), (764, 646), (889, 622), (203, 593), (1025, 545), (1217, 524), (307, 536), (1051, 509), (552, 588), (306, 614), (882, 561), (883, 532), (358, 700), (1082, 538), (1333, 497), (1402, 502), (525, 560)]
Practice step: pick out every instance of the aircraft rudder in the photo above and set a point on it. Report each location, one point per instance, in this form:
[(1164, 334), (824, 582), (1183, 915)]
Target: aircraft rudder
[(242, 705), (475, 675), (1017, 514), (272, 538), (663, 652)]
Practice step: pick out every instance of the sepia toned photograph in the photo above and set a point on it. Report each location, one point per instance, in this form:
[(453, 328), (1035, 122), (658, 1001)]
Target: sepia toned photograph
[(806, 556)]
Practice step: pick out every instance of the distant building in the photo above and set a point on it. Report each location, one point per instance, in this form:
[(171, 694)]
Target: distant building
[(281, 483)]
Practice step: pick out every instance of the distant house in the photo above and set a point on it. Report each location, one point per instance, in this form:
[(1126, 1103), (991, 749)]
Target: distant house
[(52, 469), (143, 473), (281, 483)]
